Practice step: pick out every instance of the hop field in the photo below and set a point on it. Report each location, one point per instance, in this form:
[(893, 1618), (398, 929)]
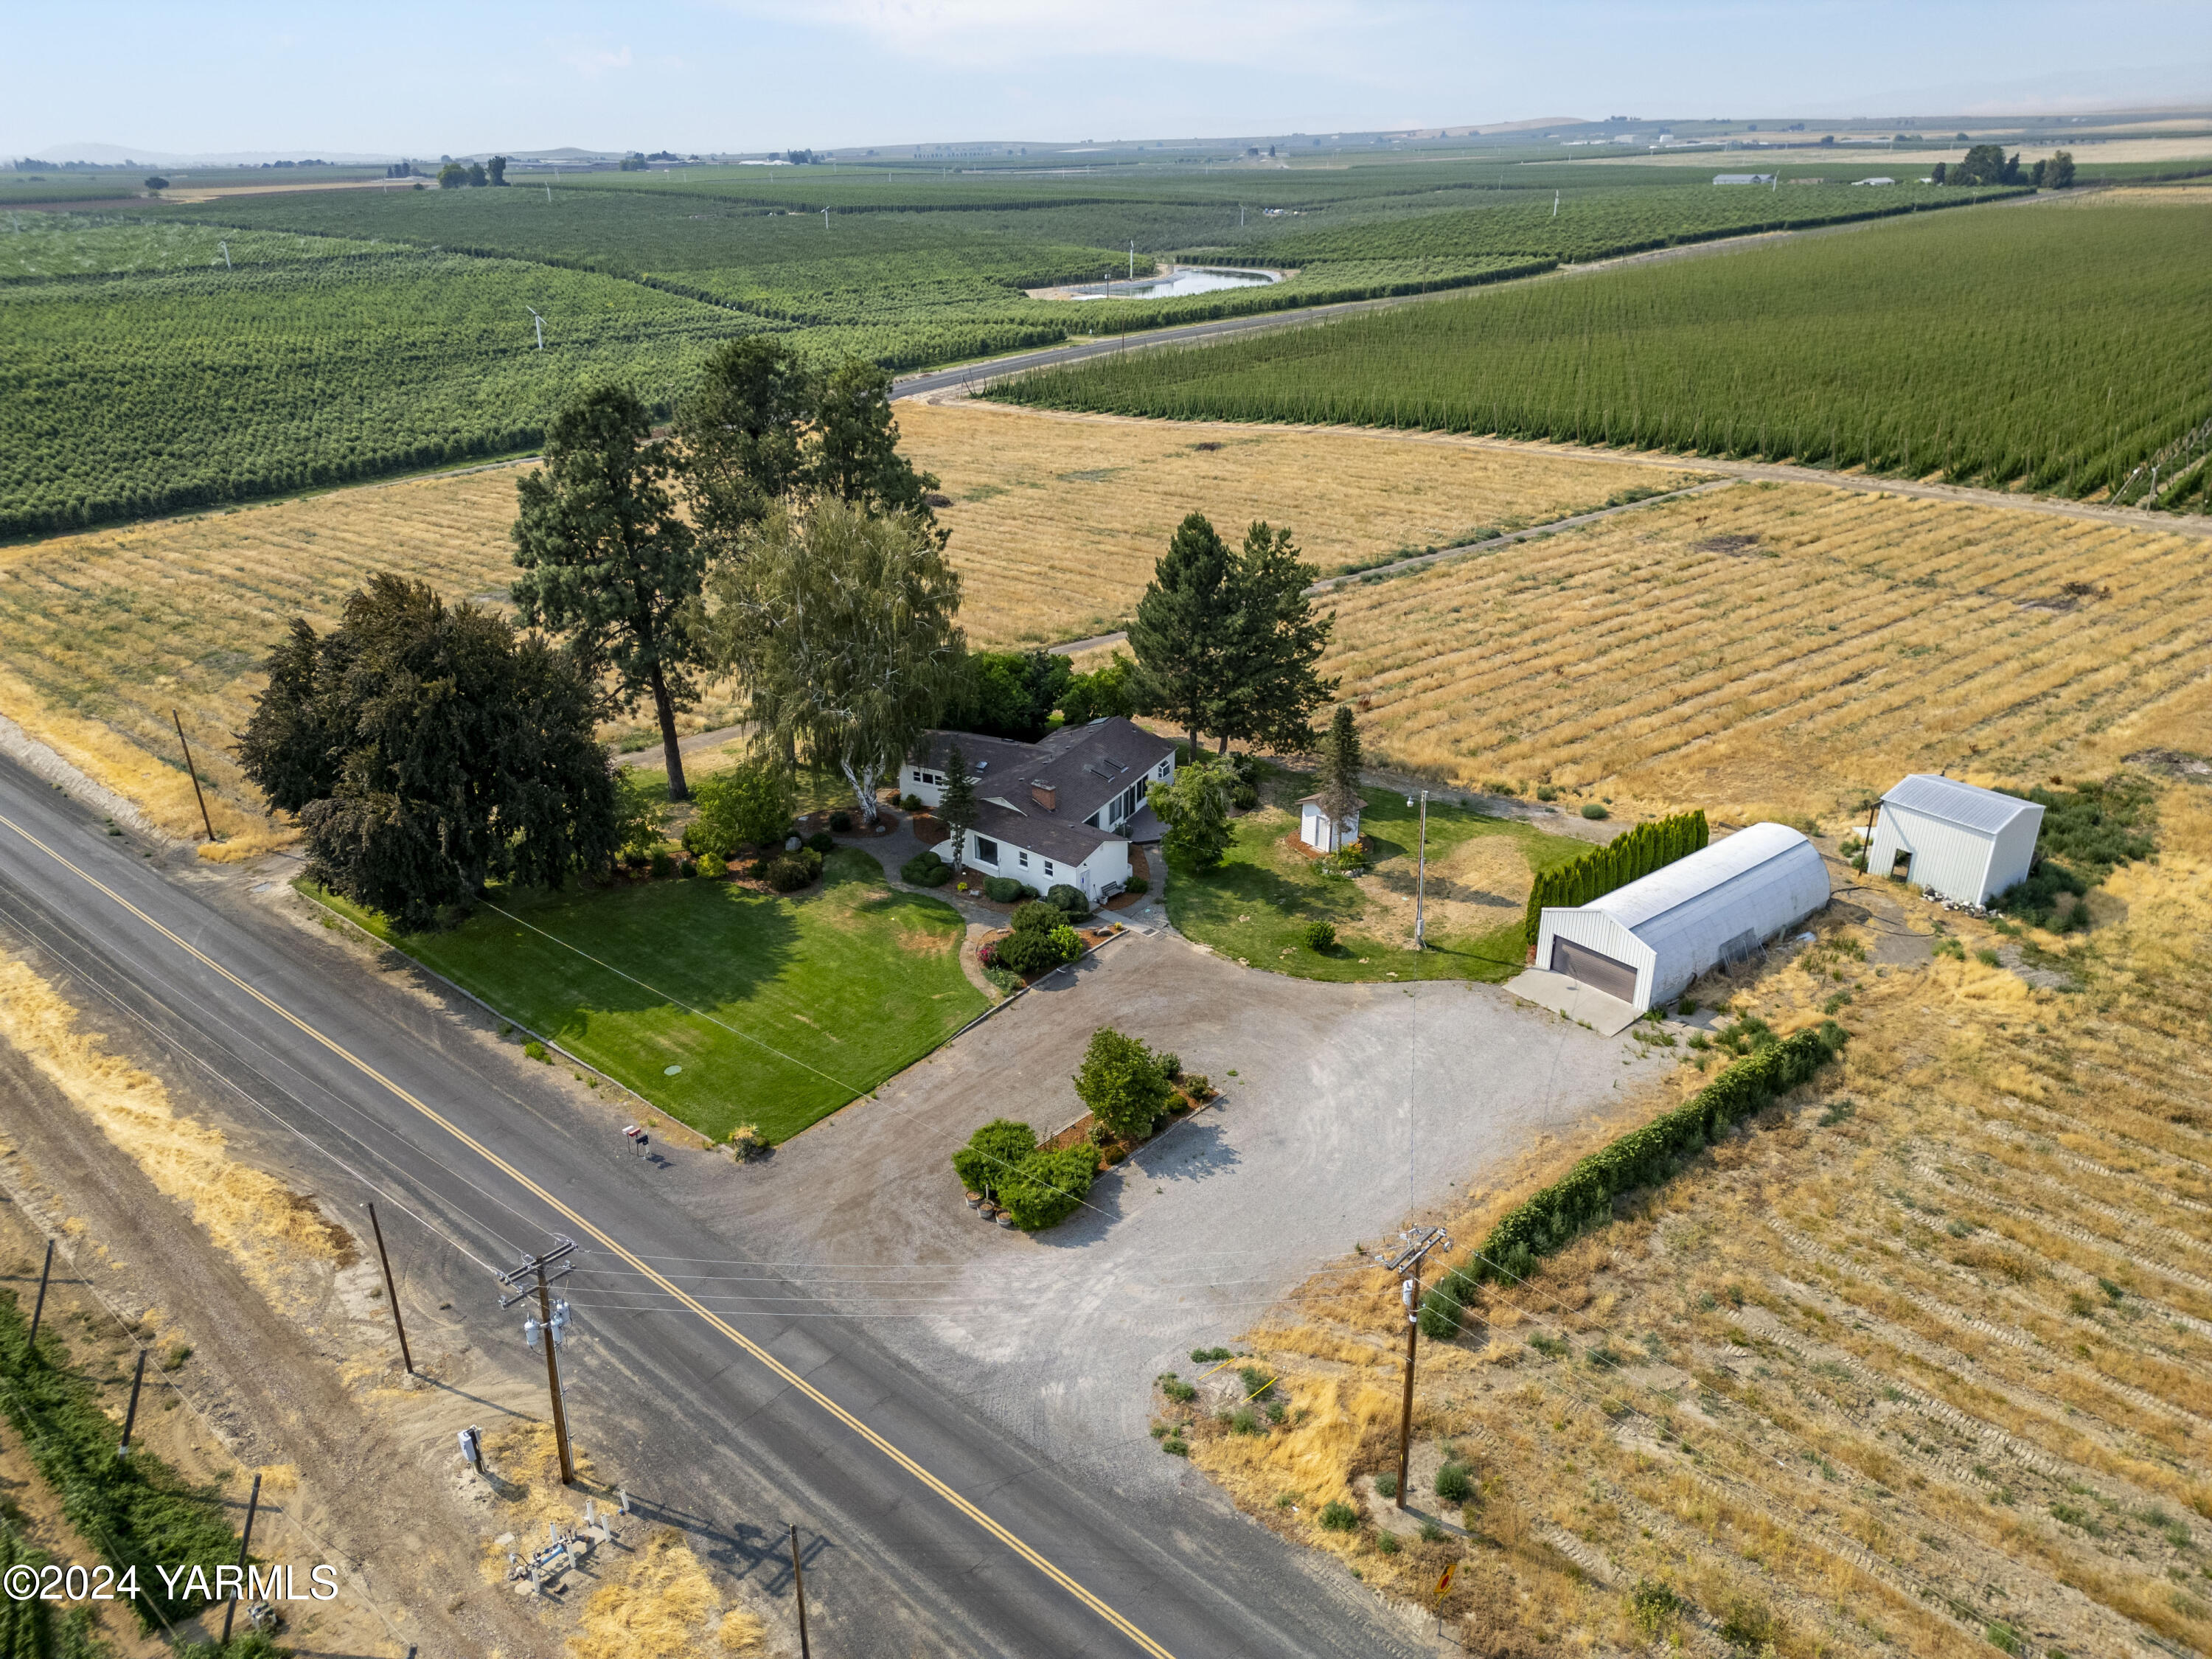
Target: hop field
[(125, 397), (1921, 348), (1781, 649)]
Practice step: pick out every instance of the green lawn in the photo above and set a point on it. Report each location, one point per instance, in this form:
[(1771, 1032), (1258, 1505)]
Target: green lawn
[(805, 1002), (1256, 905)]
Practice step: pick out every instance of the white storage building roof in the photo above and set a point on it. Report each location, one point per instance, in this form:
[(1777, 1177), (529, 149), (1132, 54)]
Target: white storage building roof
[(1645, 942), (1964, 841)]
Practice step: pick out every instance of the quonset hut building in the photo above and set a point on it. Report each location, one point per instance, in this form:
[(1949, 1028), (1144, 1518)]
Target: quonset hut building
[(1645, 942)]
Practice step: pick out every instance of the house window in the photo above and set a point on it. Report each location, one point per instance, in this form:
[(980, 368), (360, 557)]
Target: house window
[(1048, 867), (987, 850), (1164, 766), (1024, 858)]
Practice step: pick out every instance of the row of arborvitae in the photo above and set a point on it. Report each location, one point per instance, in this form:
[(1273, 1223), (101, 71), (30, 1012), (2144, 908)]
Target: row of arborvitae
[(1554, 1217), (137, 1511), (1629, 855)]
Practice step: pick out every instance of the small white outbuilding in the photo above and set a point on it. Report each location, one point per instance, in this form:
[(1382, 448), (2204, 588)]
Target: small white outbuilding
[(1318, 833), (1643, 943), (1966, 843)]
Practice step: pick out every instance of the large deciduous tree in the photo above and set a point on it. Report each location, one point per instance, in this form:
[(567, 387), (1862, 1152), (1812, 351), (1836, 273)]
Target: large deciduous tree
[(1180, 630), (1009, 694), (855, 451), (742, 433), (1195, 810), (428, 750), (1268, 688), (606, 561), (839, 623)]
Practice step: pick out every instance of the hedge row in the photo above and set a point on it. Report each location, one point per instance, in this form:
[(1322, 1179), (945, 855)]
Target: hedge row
[(137, 1511), (1630, 856), (1583, 1198)]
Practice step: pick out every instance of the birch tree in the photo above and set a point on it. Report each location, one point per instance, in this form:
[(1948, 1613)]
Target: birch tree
[(839, 623)]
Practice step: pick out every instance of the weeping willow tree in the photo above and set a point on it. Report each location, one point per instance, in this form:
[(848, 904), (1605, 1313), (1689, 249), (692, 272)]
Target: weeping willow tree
[(839, 623)]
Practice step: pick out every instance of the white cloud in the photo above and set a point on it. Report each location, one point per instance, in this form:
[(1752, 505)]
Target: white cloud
[(595, 61)]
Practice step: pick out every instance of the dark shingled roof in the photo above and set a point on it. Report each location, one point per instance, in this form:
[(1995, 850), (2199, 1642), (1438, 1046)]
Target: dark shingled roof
[(1028, 826), (1084, 766)]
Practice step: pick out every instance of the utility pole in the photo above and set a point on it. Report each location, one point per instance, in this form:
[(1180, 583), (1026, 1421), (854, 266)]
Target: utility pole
[(1418, 1242), (177, 720), (390, 1292), (253, 1506), (1421, 875), (799, 1581), (547, 1326), (130, 1416), (39, 1307)]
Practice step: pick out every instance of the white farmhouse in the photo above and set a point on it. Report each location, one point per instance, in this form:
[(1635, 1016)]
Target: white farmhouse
[(1318, 833), (1643, 943), (1966, 843), (1063, 811)]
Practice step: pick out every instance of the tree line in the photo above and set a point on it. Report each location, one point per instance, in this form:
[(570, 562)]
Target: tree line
[(773, 537), (1987, 164)]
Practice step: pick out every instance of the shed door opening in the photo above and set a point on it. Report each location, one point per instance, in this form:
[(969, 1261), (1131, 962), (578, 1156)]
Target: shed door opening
[(1900, 868), (1600, 973)]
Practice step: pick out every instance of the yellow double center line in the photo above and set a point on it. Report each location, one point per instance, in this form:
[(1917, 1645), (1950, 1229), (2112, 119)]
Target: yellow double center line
[(1143, 1642)]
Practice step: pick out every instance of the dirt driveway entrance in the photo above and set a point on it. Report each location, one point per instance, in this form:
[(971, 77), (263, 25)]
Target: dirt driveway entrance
[(1312, 1148)]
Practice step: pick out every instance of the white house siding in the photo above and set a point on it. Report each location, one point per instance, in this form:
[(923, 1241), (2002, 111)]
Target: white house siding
[(1107, 863), (1595, 931), (1952, 860)]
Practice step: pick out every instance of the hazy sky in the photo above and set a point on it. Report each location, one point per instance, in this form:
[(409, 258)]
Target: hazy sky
[(396, 76)]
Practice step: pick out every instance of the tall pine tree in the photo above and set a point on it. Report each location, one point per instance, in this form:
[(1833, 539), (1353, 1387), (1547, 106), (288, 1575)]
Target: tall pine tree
[(956, 807), (1340, 767), (1183, 624)]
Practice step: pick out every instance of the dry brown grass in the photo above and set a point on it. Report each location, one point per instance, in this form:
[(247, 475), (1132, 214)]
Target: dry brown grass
[(1817, 644), (1057, 520), (265, 1226), (1863, 1379)]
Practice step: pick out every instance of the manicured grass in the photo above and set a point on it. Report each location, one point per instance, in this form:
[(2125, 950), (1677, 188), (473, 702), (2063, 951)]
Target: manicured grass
[(1256, 905), (805, 1002)]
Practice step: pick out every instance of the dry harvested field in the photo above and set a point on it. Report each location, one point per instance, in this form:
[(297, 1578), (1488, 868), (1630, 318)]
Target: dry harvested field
[(1056, 523), (107, 632), (1057, 520), (1916, 1361), (1782, 649)]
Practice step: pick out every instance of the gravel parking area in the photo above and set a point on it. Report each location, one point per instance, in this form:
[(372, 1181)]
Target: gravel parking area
[(1311, 1148)]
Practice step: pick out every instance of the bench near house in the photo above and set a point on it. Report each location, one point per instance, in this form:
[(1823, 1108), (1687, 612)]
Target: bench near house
[(1062, 811)]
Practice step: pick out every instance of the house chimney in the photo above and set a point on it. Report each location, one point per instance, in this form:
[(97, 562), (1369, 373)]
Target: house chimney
[(1045, 796)]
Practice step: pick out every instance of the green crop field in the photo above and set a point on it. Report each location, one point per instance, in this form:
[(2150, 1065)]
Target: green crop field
[(129, 396), (176, 354), (2055, 348)]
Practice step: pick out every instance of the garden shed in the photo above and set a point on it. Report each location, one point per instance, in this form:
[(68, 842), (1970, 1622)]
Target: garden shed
[(1964, 841), (1643, 943), (1318, 833)]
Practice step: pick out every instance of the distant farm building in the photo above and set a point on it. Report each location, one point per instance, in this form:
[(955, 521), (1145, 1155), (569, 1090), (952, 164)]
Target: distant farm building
[(1318, 833), (1873, 181), (1743, 178), (1643, 943), (1967, 843)]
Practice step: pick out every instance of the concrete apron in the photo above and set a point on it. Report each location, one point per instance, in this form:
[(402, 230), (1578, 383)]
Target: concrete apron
[(1610, 1016)]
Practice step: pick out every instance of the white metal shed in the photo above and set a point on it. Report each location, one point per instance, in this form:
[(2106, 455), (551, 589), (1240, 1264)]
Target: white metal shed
[(1966, 843), (1645, 942)]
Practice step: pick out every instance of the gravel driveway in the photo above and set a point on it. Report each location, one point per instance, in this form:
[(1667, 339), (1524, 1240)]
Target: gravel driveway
[(1311, 1149)]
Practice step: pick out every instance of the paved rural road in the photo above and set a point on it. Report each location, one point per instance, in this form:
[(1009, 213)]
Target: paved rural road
[(939, 1531)]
